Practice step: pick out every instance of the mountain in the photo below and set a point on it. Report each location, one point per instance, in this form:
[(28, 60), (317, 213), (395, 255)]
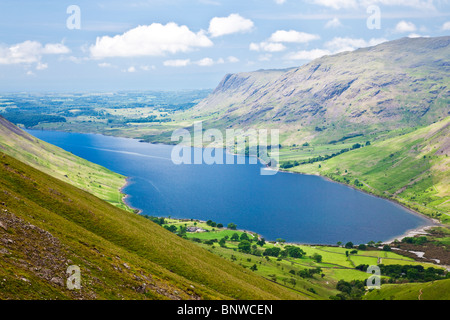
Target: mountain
[(47, 225), (397, 84), (61, 164)]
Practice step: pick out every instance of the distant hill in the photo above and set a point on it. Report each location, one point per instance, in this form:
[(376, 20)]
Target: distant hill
[(397, 84)]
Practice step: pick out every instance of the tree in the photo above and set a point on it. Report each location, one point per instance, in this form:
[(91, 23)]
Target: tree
[(222, 242), (244, 236), (317, 257), (219, 225), (235, 237), (261, 242), (232, 226), (386, 248), (349, 245), (245, 246), (362, 247), (294, 252), (273, 252), (254, 267)]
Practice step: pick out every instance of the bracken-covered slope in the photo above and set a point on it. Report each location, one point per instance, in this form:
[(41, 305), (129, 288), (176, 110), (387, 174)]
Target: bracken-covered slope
[(402, 83), (47, 225)]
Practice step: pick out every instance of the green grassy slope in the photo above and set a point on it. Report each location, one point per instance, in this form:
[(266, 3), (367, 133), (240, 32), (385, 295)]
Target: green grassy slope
[(410, 168), (436, 290), (61, 164), (47, 225)]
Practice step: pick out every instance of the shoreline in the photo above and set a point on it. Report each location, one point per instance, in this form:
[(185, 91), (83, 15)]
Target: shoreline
[(125, 196)]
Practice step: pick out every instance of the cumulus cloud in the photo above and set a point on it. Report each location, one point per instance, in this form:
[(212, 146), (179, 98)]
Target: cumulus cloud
[(333, 23), (177, 63), (232, 59), (446, 26), (206, 62), (234, 23), (346, 4), (29, 52), (307, 54), (339, 44), (334, 46), (405, 26), (267, 46), (292, 36), (150, 40)]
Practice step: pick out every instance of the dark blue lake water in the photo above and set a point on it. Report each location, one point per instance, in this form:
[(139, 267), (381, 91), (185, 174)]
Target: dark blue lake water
[(298, 208)]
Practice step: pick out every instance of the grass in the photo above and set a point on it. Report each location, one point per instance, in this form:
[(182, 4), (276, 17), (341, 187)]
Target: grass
[(437, 290)]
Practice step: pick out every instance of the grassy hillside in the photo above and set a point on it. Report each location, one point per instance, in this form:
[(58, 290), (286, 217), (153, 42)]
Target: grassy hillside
[(47, 224), (61, 164), (412, 169), (437, 290)]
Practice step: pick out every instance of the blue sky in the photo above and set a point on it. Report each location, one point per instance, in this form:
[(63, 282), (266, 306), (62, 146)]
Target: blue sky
[(173, 45)]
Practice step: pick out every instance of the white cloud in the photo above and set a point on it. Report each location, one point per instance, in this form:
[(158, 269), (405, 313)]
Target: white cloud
[(55, 48), (177, 63), (405, 26), (307, 55), (206, 62), (267, 46), (292, 36), (147, 68), (105, 65), (280, 1), (347, 4), (232, 59), (130, 69), (337, 4), (234, 23), (333, 23), (41, 66), (446, 26), (334, 46), (29, 52), (339, 44), (150, 40)]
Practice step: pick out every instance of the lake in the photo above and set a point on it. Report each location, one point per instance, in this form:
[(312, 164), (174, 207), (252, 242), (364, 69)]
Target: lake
[(298, 208)]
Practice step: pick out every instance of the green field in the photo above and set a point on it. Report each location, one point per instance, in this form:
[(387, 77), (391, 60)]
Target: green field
[(335, 264)]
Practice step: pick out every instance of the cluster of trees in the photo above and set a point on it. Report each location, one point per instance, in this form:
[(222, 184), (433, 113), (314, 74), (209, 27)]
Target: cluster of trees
[(409, 273), (289, 251), (148, 119), (295, 163), (214, 224), (415, 240), (309, 273), (353, 290), (160, 221), (31, 119)]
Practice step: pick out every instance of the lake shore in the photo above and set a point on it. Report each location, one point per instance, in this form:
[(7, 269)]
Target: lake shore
[(125, 196)]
